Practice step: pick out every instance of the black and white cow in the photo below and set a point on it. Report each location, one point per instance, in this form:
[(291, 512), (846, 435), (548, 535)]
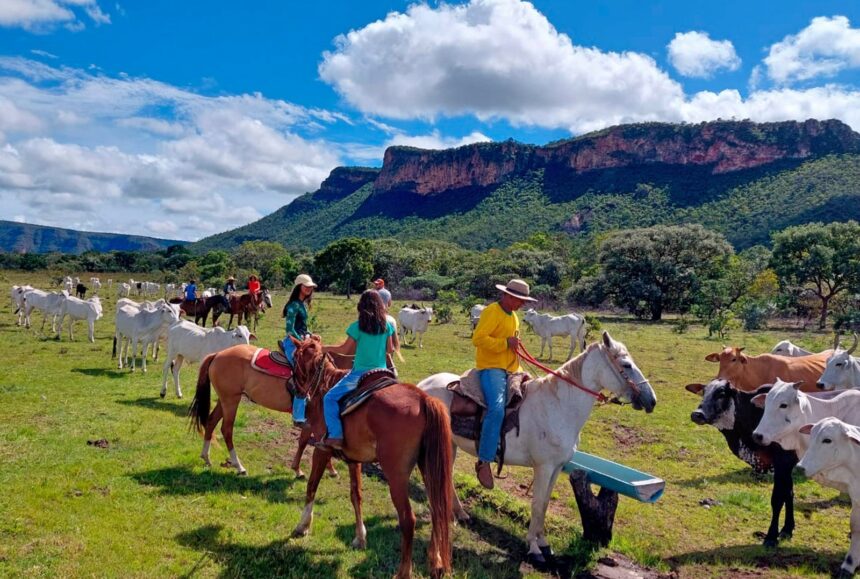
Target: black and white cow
[(732, 412)]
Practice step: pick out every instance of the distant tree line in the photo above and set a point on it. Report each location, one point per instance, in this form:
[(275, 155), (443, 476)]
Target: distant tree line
[(811, 271)]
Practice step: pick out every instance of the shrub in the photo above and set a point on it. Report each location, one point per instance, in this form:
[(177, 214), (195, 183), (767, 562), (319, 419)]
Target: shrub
[(681, 325), (592, 326)]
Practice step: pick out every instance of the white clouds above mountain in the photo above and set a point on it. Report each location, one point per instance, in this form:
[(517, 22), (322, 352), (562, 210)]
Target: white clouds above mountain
[(822, 49), (695, 54)]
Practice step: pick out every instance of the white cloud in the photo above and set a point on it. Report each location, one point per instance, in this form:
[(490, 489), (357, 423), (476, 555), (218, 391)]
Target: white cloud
[(824, 48), (436, 141), (38, 15), (695, 54), (493, 59), (86, 148), (166, 228)]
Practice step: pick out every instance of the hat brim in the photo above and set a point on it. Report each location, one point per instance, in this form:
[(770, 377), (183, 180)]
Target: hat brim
[(308, 284), (505, 289)]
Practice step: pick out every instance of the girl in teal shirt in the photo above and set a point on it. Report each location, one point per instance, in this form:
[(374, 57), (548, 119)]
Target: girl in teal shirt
[(369, 339), (296, 314)]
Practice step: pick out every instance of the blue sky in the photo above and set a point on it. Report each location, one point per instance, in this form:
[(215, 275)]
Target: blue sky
[(181, 119)]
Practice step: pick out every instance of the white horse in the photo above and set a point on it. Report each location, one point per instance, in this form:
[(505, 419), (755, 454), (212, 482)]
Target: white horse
[(551, 418)]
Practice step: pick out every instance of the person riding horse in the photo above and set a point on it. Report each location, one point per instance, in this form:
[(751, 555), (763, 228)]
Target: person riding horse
[(296, 325), (229, 290), (254, 289), (496, 339), (191, 291)]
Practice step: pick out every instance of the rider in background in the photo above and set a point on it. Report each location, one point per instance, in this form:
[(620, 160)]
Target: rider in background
[(296, 325), (369, 339), (496, 341), (191, 291), (229, 289)]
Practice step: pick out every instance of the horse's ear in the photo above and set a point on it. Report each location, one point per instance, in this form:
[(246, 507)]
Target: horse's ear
[(295, 340), (607, 339)]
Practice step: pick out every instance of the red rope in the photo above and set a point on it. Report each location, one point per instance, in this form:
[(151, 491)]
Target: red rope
[(527, 357)]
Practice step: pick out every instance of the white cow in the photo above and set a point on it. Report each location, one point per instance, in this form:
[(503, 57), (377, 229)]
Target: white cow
[(786, 409), (78, 309), (475, 314), (97, 285), (140, 325), (833, 459), (415, 321), (123, 290), (786, 348), (110, 283), (547, 326), (186, 341), (842, 369), (49, 303), (68, 284), (150, 288), (17, 295)]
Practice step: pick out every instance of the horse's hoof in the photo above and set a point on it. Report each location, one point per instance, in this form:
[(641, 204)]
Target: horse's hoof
[(538, 561), (242, 472), (299, 532), (179, 396), (463, 517), (359, 544), (300, 475), (333, 474), (770, 542), (162, 394), (785, 535), (546, 551)]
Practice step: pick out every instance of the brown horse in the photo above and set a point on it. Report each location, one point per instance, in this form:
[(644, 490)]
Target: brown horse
[(247, 305), (398, 427), (201, 307), (230, 373)]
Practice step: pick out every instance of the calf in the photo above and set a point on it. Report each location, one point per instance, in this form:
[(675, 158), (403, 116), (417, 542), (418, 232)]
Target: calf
[(415, 321), (749, 372), (842, 370), (77, 309), (786, 409), (80, 291), (732, 413), (833, 459), (786, 348), (475, 314), (547, 326), (187, 341)]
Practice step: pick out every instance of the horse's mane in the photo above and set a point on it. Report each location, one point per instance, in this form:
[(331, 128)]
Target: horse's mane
[(573, 367)]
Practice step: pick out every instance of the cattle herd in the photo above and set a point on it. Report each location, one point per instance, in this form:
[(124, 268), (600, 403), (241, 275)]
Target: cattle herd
[(790, 408)]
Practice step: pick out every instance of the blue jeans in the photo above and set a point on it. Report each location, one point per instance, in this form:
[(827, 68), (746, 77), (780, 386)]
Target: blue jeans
[(494, 386), (331, 409), (298, 402)]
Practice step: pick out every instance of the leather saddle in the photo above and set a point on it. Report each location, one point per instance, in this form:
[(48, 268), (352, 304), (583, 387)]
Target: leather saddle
[(369, 383)]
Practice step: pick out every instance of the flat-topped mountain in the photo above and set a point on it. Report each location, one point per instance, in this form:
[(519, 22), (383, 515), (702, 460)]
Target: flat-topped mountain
[(739, 177), (28, 238)]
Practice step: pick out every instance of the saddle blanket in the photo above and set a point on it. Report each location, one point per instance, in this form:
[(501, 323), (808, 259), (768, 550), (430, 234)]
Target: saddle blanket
[(262, 362), (469, 385)]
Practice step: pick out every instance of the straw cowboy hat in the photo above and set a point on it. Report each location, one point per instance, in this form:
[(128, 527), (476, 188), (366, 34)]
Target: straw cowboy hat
[(305, 280), (231, 278), (517, 288)]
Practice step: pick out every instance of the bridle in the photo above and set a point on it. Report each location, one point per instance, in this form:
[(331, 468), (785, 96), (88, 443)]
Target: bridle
[(613, 361), (316, 380)]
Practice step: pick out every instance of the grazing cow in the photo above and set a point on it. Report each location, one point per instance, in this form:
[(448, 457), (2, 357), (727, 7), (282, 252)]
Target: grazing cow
[(80, 291), (475, 314), (735, 416), (140, 325), (833, 459), (842, 370), (749, 372), (50, 304), (414, 321), (123, 290), (150, 288), (547, 326), (786, 348), (77, 309), (189, 342), (786, 409)]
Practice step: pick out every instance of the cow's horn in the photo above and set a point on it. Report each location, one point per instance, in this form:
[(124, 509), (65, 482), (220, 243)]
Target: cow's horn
[(854, 345), (836, 341)]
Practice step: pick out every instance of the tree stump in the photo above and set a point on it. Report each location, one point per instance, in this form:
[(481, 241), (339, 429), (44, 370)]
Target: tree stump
[(597, 511)]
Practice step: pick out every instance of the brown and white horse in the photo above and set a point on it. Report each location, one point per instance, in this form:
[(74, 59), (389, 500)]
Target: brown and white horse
[(398, 427), (230, 373)]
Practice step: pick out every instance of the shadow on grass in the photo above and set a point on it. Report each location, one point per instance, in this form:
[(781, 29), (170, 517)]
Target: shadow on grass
[(158, 404), (743, 475), (184, 481), (816, 506), (785, 557), (277, 559), (101, 372)]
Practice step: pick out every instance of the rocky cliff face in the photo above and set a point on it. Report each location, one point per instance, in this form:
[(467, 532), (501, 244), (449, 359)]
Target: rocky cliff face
[(343, 181), (721, 147)]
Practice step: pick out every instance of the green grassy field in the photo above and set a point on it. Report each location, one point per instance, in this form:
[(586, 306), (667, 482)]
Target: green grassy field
[(145, 506)]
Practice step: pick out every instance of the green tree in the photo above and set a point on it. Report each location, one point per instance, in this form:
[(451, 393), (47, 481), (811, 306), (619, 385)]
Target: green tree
[(346, 263), (649, 271), (213, 267), (261, 257), (820, 260)]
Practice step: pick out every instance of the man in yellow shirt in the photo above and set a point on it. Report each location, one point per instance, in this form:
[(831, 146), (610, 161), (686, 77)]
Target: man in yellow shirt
[(496, 339)]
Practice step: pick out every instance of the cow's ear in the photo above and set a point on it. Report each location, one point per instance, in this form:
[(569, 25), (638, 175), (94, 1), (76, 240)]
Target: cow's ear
[(712, 357), (759, 400), (806, 428), (853, 436), (743, 358), (695, 388), (252, 337)]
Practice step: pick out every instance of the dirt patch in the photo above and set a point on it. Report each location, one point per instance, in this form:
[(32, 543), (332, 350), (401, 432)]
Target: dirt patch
[(617, 566), (629, 437), (100, 443)]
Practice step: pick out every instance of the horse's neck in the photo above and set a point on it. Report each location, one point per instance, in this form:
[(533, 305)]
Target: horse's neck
[(563, 395)]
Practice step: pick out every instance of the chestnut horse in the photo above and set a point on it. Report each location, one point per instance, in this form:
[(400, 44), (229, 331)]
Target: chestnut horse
[(247, 305), (201, 307), (399, 426), (230, 373)]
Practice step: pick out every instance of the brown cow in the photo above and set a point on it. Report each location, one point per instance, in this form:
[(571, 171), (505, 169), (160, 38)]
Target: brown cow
[(749, 372)]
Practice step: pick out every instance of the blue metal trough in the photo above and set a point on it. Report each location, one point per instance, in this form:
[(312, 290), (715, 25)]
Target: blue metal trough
[(624, 480)]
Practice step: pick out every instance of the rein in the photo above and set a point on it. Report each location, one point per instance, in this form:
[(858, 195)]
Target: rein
[(614, 363), (529, 359), (316, 381)]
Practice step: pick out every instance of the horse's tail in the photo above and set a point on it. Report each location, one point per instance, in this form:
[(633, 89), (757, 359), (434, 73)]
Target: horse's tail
[(199, 410), (113, 352), (438, 465)]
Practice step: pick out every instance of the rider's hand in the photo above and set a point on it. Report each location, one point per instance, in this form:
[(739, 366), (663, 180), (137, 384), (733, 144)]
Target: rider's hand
[(513, 343)]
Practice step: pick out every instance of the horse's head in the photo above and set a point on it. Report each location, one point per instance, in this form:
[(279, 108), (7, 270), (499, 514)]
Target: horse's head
[(267, 299), (306, 361), (620, 375)]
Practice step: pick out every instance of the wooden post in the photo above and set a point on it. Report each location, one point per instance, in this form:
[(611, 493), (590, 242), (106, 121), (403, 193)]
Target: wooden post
[(597, 511)]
